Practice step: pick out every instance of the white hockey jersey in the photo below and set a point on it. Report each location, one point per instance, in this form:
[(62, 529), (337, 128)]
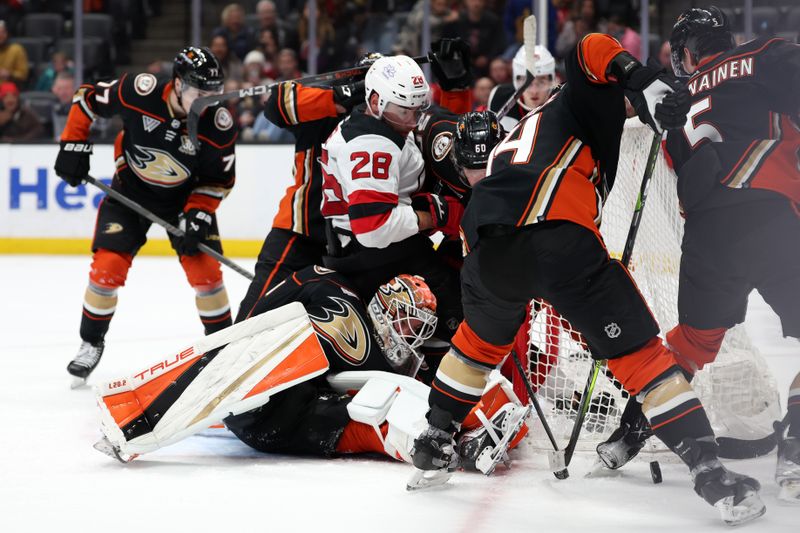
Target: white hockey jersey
[(370, 172)]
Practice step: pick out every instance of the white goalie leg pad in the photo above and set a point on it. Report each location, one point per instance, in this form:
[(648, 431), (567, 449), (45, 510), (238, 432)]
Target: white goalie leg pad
[(384, 397), (257, 358)]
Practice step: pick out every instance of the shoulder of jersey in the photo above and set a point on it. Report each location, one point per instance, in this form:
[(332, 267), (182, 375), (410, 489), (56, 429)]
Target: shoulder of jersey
[(142, 91), (360, 124), (218, 125), (499, 95)]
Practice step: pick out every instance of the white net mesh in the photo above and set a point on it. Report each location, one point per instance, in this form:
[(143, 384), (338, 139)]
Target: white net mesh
[(738, 391)]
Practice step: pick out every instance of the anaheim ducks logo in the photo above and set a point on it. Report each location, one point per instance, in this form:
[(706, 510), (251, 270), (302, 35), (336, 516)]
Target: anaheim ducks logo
[(343, 328), (113, 227), (156, 166)]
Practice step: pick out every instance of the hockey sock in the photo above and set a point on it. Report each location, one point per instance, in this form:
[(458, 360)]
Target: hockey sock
[(99, 304), (694, 348), (793, 408), (458, 386), (675, 412), (214, 308)]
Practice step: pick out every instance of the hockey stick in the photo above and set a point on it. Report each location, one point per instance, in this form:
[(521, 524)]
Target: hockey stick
[(177, 232), (529, 42), (652, 156), (557, 461), (199, 105)]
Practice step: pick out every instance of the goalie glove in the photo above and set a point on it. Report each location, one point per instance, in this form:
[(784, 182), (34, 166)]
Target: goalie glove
[(450, 62), (445, 211), (196, 225), (660, 100)]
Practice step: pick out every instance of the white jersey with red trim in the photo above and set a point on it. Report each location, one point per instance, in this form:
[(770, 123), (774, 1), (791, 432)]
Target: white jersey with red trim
[(370, 173)]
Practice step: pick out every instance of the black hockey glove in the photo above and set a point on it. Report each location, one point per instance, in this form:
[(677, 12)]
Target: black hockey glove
[(660, 100), (445, 211), (72, 162), (196, 224), (349, 95), (450, 62)]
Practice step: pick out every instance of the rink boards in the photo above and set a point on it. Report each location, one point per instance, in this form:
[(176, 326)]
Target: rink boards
[(39, 213)]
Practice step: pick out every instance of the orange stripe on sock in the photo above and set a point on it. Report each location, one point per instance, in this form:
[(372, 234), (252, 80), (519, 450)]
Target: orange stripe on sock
[(468, 402), (674, 418)]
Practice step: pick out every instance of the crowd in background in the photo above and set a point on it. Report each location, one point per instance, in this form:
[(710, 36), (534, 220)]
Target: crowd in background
[(261, 41)]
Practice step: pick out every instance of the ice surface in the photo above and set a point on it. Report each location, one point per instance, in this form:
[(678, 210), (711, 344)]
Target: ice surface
[(52, 480)]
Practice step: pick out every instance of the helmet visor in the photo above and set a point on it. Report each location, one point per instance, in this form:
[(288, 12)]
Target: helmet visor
[(404, 117), (189, 94)]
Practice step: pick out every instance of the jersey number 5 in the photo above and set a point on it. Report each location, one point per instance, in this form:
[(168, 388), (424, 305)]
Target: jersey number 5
[(697, 131), (380, 165)]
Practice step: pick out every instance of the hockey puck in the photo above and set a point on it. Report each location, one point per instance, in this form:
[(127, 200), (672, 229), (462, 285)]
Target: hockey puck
[(655, 472), (561, 474)]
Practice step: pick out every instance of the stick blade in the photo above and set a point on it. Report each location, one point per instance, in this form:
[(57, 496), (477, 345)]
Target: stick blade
[(529, 42)]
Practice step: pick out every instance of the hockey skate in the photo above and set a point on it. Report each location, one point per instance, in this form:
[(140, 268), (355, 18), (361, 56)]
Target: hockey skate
[(787, 471), (434, 455), (734, 495), (484, 447), (106, 447), (627, 440), (85, 362)]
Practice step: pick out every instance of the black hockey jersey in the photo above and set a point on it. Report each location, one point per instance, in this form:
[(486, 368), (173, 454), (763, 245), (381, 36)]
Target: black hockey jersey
[(339, 316), (560, 161), (310, 114), (434, 136), (745, 102), (156, 163), (498, 97)]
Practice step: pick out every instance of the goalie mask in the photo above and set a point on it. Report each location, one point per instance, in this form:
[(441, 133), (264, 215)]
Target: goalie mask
[(403, 312), (477, 133)]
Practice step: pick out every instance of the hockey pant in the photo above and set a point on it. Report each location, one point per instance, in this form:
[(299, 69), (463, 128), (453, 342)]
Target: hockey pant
[(227, 373)]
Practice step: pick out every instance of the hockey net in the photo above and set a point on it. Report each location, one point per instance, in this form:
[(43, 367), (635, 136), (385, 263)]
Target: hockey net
[(738, 390)]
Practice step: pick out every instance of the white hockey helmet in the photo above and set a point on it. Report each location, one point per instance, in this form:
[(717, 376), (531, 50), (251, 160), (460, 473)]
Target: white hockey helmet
[(397, 80), (403, 312), (544, 64)]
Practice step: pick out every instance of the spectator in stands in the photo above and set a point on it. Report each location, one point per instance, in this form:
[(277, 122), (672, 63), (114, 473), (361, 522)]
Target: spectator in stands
[(256, 69), (13, 59), (582, 22), (500, 71), (17, 123), (287, 65), (664, 56), (480, 93), (161, 69), (59, 62), (482, 29), (268, 45), (627, 36), (239, 38), (268, 19), (410, 36), (63, 88), (231, 64)]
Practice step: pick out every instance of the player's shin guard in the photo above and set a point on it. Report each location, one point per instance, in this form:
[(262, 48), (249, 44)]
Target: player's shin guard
[(108, 273), (694, 348)]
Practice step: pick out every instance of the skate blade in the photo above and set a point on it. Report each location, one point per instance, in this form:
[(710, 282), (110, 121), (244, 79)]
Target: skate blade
[(749, 508), (77, 382), (790, 492), (425, 479), (104, 446)]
